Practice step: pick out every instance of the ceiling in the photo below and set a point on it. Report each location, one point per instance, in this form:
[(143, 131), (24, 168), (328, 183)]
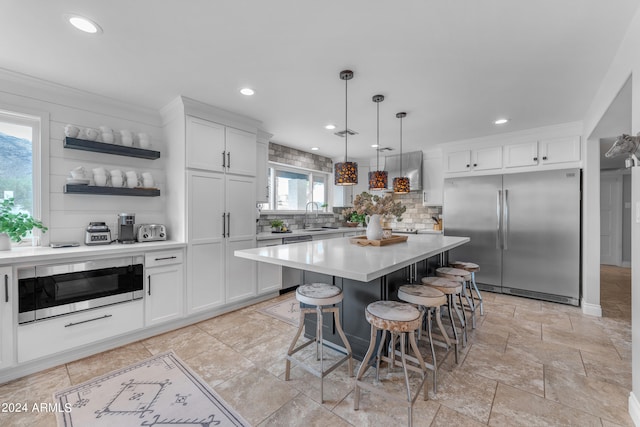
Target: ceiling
[(454, 67)]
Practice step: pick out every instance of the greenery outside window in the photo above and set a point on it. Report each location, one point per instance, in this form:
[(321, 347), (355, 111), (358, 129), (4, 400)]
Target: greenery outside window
[(21, 166), (291, 188)]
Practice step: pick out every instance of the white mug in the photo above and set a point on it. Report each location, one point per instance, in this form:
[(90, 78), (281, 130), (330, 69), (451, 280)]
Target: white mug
[(71, 131), (127, 140), (78, 173), (116, 172), (132, 182), (100, 180), (143, 140), (117, 180), (99, 171), (107, 137), (106, 129), (91, 134)]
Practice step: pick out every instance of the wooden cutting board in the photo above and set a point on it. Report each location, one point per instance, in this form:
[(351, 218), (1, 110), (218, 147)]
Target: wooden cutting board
[(363, 241)]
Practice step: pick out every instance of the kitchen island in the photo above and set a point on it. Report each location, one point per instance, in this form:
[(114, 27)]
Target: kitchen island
[(364, 273)]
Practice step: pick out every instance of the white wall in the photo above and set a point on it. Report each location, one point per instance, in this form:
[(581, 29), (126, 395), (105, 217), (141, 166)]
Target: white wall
[(626, 63), (69, 214)]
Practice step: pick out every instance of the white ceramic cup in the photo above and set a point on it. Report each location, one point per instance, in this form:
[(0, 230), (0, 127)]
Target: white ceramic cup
[(126, 132), (71, 131), (79, 173), (143, 140), (147, 179), (100, 180), (117, 180), (107, 137), (99, 171), (116, 172), (132, 179), (91, 134), (106, 129), (127, 140)]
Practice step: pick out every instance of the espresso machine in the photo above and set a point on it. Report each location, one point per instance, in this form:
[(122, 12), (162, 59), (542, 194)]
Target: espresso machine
[(126, 228)]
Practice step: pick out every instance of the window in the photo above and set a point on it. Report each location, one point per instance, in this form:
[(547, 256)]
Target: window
[(291, 189), (20, 163)]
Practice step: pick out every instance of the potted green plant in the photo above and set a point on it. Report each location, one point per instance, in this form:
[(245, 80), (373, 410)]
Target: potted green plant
[(324, 206), (15, 225), (276, 224)]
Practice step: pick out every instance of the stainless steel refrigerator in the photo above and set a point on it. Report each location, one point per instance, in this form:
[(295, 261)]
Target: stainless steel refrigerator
[(524, 230)]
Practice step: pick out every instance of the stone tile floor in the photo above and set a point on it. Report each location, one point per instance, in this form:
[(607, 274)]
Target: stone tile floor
[(527, 363)]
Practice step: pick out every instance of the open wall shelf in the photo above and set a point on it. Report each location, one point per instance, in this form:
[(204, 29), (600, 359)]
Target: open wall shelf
[(102, 147), (111, 191)]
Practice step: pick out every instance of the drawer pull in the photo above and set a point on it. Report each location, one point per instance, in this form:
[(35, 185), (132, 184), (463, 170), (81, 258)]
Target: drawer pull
[(149, 278), (86, 321), (6, 288), (166, 257)]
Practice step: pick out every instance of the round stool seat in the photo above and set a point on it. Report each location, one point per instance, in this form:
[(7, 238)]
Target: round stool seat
[(467, 266), (422, 295), (319, 294), (393, 316), (444, 285), (453, 273)]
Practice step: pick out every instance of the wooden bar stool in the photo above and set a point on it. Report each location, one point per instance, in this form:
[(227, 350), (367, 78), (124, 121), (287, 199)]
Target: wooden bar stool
[(471, 268), (429, 300), (464, 277), (320, 295), (451, 289), (397, 318)]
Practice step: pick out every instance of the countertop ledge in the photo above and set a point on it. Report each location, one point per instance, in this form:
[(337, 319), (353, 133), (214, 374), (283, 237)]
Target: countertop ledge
[(29, 254), (300, 232)]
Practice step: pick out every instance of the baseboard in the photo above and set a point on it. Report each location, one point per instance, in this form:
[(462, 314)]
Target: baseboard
[(591, 309), (634, 409), (626, 264)]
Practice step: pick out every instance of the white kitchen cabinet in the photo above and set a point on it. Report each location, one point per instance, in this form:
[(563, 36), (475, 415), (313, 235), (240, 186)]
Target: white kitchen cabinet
[(520, 155), (458, 161), (262, 176), (432, 179), (205, 145), (218, 148), (269, 275), (164, 286), (560, 150), (486, 158), (206, 234), (7, 327)]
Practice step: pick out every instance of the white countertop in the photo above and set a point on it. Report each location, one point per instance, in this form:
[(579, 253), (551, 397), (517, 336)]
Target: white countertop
[(339, 257), (30, 254), (301, 232)]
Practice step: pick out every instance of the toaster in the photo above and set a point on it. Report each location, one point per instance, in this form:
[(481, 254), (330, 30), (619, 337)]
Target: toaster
[(151, 232), (97, 233)]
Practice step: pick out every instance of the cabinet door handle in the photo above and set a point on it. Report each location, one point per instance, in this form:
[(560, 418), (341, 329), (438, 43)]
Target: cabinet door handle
[(6, 288), (224, 226), (86, 321), (475, 164), (535, 159), (166, 257), (468, 165), (544, 158), (228, 159), (149, 287), (224, 165), (228, 224)]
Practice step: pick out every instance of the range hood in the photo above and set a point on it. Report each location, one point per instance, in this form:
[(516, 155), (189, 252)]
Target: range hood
[(411, 167)]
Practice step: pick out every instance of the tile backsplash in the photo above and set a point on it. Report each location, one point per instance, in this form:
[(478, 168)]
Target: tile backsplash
[(416, 216)]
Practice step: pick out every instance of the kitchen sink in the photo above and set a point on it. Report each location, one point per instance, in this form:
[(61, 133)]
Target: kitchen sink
[(329, 227)]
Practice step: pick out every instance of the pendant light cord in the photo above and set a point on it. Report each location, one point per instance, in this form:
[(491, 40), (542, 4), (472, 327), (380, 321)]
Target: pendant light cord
[(378, 138), (346, 125), (401, 147)]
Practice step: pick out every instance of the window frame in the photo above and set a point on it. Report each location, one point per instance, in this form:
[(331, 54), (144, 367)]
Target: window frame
[(39, 121), (295, 169)]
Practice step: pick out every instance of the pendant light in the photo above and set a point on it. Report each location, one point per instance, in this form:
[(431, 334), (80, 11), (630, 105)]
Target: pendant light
[(378, 179), (401, 183), (346, 173)]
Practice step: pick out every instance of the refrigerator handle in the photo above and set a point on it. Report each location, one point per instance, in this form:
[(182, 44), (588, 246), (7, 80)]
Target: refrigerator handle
[(499, 218), (505, 221)]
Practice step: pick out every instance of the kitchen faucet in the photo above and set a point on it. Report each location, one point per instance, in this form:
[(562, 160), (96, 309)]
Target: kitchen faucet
[(306, 211)]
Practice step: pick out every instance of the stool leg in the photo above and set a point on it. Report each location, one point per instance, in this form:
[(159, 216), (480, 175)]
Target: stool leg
[(364, 366), (463, 319), (475, 287), (336, 317), (433, 352), (319, 317), (414, 347), (438, 313), (472, 306), (383, 338), (293, 345), (450, 304), (406, 374)]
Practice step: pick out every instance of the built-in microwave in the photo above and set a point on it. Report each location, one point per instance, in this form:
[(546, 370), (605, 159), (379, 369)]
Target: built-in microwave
[(52, 290)]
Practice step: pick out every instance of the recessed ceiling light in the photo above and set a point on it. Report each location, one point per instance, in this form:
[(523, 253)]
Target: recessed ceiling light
[(374, 146), (247, 91), (501, 121), (330, 127), (84, 24), (314, 148)]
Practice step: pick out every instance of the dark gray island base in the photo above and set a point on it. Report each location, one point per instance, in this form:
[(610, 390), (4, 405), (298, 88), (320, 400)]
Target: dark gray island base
[(357, 295)]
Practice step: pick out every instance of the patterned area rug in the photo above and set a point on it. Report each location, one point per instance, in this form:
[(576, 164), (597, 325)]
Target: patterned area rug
[(158, 391), (287, 310)]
